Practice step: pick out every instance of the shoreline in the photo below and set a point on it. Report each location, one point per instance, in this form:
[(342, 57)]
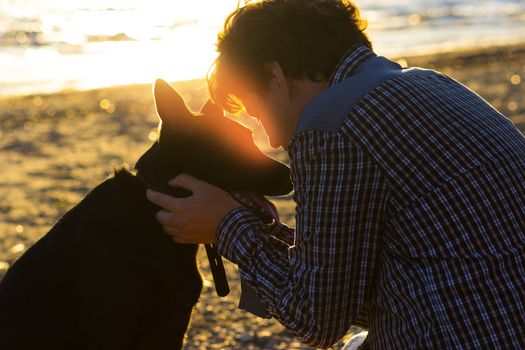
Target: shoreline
[(475, 54), (471, 55)]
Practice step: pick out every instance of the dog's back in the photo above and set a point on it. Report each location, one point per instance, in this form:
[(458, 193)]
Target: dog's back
[(104, 277)]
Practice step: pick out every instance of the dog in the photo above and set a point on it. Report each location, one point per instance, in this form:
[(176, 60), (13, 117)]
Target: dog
[(106, 276)]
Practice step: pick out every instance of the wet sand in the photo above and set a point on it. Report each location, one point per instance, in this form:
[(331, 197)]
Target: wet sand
[(55, 148)]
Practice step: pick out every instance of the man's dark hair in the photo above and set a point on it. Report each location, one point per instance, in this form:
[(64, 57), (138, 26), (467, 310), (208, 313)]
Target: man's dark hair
[(306, 37)]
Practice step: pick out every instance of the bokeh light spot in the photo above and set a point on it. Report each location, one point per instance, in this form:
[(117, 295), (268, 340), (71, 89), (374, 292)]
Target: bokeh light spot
[(512, 106), (19, 228), (4, 266), (22, 38), (51, 112), (38, 101), (153, 136), (515, 79), (17, 248), (104, 104), (206, 283), (414, 19)]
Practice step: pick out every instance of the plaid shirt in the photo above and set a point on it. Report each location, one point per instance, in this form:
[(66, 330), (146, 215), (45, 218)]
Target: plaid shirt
[(410, 222)]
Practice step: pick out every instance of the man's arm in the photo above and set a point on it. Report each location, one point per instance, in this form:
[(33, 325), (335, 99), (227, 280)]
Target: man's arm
[(317, 287)]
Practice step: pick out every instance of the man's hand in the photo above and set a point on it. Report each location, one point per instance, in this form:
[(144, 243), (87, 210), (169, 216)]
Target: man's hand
[(193, 219)]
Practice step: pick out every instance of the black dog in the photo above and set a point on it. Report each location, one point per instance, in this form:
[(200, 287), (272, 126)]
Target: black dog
[(106, 276)]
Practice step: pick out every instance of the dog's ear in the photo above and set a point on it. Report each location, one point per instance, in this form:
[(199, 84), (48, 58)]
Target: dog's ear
[(171, 107), (211, 108)]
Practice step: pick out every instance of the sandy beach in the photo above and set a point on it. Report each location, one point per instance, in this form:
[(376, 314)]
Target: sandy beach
[(55, 148)]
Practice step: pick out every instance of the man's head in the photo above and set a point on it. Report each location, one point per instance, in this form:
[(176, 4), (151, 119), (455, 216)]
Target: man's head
[(269, 49)]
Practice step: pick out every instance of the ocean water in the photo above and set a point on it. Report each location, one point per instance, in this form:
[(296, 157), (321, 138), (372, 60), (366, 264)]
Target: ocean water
[(51, 45)]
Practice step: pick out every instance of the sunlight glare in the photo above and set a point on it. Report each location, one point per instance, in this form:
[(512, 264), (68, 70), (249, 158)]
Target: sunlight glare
[(119, 43)]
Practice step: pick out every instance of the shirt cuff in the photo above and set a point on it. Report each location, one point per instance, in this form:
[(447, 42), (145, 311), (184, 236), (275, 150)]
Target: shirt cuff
[(233, 225)]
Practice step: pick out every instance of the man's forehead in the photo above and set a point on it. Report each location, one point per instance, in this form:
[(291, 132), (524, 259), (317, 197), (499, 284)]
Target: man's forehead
[(237, 81)]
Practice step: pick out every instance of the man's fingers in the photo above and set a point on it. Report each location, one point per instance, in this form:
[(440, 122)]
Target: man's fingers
[(166, 218), (180, 239), (172, 231), (176, 235), (185, 181), (163, 200)]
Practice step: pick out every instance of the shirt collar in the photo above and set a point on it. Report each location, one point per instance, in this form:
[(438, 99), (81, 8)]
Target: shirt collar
[(347, 66)]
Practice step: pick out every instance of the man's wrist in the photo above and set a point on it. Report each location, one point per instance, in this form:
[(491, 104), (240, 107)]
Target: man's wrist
[(234, 224)]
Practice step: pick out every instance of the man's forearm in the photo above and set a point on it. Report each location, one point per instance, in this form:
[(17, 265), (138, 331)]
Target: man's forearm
[(240, 232), (264, 263)]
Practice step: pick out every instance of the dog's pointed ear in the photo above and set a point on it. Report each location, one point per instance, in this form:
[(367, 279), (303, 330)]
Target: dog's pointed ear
[(211, 108), (171, 107)]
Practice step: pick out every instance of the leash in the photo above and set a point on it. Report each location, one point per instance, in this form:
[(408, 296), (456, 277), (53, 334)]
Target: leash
[(217, 270)]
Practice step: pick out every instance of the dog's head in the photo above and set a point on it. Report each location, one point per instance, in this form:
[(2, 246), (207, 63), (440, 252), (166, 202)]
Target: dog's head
[(209, 146)]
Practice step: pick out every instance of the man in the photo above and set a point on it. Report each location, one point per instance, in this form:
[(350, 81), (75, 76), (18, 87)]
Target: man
[(410, 189)]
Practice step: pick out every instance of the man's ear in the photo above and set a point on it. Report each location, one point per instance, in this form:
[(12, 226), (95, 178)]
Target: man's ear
[(278, 76), (171, 107), (211, 108)]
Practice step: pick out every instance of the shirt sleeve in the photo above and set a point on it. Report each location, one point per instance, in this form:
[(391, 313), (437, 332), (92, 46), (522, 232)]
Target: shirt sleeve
[(318, 286)]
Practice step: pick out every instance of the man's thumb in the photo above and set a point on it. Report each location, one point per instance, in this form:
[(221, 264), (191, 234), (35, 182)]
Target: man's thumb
[(185, 181)]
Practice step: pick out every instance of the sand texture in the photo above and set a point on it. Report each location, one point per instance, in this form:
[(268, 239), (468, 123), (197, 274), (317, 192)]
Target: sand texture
[(55, 148)]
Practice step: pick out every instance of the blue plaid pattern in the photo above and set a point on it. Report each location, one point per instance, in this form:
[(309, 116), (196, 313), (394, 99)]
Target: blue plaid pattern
[(410, 223)]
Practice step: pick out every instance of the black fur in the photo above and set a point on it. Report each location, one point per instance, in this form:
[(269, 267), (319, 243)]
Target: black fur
[(106, 276)]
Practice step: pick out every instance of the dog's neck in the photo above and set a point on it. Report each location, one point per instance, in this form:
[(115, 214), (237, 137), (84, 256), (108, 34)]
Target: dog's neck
[(248, 199), (167, 189)]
